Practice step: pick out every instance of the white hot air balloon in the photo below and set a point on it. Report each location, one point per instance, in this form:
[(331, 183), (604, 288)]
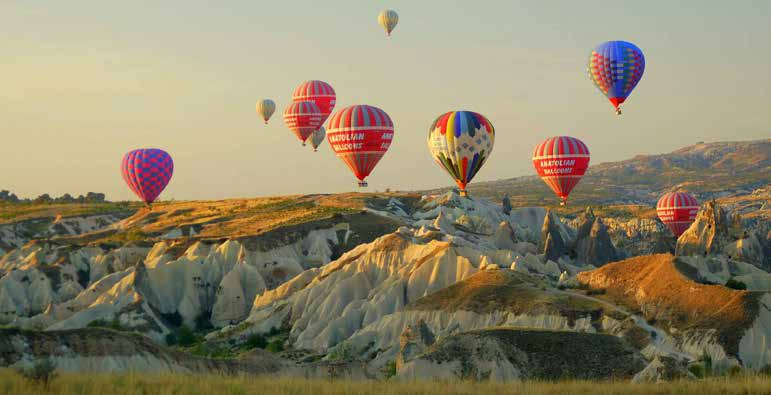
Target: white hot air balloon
[(318, 137), (388, 19), (266, 108)]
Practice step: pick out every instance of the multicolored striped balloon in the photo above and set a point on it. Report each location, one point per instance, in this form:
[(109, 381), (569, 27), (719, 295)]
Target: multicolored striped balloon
[(147, 171), (561, 161), (461, 142), (266, 108), (318, 137), (677, 210), (302, 118), (360, 135), (318, 92), (616, 67), (388, 20)]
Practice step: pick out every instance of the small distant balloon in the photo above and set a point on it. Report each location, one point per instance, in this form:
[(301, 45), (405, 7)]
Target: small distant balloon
[(302, 118), (561, 161), (461, 142), (616, 67), (360, 135), (147, 171), (388, 20), (318, 137), (266, 108), (677, 210)]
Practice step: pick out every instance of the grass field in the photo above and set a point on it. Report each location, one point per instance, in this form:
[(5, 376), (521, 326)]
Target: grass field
[(101, 384)]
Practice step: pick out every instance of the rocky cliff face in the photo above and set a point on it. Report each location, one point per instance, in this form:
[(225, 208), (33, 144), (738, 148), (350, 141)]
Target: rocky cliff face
[(716, 232)]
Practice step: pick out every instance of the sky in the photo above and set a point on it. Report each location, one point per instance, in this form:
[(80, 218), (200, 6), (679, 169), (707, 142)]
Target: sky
[(83, 82)]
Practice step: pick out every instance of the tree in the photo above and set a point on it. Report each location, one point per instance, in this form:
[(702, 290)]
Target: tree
[(44, 198), (42, 372)]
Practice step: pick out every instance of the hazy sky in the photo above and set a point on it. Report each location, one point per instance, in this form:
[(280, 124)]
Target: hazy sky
[(82, 82)]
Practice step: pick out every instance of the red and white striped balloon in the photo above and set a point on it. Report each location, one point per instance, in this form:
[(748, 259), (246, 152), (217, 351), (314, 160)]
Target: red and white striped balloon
[(677, 210), (360, 135), (303, 118), (318, 92), (561, 161)]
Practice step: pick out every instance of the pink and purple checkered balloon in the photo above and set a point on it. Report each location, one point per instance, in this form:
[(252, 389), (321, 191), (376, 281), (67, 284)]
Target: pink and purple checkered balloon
[(147, 171)]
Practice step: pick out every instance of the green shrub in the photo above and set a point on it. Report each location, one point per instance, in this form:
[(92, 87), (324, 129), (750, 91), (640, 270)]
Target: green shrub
[(275, 346), (185, 336), (735, 371), (390, 369), (171, 339), (101, 323), (255, 341), (42, 372), (697, 370), (174, 319), (735, 284), (203, 323)]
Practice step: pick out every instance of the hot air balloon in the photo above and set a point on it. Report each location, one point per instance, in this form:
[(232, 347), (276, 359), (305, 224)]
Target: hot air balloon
[(616, 67), (318, 137), (461, 142), (147, 171), (265, 108), (302, 117), (561, 162), (318, 92), (388, 19), (360, 135), (677, 210)]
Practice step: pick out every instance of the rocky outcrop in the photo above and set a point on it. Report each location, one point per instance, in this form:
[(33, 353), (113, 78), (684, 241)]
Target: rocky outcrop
[(552, 245), (505, 354), (506, 205), (718, 232), (413, 341), (663, 368), (712, 231), (595, 248)]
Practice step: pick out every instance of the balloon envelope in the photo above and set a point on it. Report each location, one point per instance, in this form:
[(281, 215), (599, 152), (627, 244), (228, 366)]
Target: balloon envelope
[(147, 171), (318, 137), (318, 92), (561, 161), (302, 118), (266, 108), (460, 142), (388, 20), (360, 135), (677, 210), (616, 67)]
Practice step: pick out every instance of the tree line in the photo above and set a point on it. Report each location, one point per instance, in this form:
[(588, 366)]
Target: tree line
[(90, 197)]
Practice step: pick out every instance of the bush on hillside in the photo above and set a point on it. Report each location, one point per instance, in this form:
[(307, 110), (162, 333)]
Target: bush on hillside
[(41, 373), (255, 341), (735, 284)]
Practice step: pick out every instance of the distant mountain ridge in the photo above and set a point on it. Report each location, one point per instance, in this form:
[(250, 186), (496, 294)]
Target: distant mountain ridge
[(708, 170)]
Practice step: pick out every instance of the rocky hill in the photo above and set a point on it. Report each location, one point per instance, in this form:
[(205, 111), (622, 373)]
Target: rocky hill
[(709, 170), (357, 284)]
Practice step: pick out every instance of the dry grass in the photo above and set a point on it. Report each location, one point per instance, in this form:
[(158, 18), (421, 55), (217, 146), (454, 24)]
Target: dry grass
[(241, 217), (100, 384), (15, 212)]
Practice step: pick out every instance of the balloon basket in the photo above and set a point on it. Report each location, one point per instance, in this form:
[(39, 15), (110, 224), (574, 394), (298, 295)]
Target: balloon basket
[(463, 193), (363, 184), (618, 111)]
